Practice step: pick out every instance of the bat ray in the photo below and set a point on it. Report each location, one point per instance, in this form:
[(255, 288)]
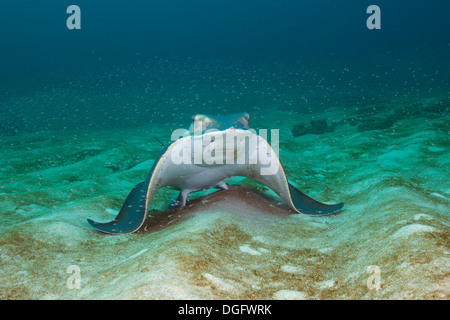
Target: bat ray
[(213, 149)]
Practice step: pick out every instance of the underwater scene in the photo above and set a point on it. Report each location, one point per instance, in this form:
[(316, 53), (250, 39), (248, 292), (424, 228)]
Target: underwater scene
[(339, 111)]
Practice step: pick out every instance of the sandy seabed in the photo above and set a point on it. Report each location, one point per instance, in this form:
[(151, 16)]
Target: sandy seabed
[(243, 243)]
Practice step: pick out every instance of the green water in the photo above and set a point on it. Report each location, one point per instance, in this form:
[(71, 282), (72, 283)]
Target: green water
[(363, 119), (387, 160)]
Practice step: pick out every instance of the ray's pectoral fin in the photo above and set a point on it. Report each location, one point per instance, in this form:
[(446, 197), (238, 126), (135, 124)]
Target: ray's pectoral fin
[(134, 211), (277, 181), (309, 206), (131, 215)]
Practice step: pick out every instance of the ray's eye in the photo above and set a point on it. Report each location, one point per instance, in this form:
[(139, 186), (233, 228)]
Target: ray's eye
[(213, 139)]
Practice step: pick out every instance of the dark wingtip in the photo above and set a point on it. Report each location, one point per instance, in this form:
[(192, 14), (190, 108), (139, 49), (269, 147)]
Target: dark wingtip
[(334, 209), (311, 207), (130, 217), (329, 210), (94, 223), (109, 227), (337, 207)]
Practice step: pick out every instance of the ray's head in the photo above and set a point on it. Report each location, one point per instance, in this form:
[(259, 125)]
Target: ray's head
[(203, 122)]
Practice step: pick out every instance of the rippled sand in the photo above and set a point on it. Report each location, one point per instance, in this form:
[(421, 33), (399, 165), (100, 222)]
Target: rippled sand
[(243, 243)]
